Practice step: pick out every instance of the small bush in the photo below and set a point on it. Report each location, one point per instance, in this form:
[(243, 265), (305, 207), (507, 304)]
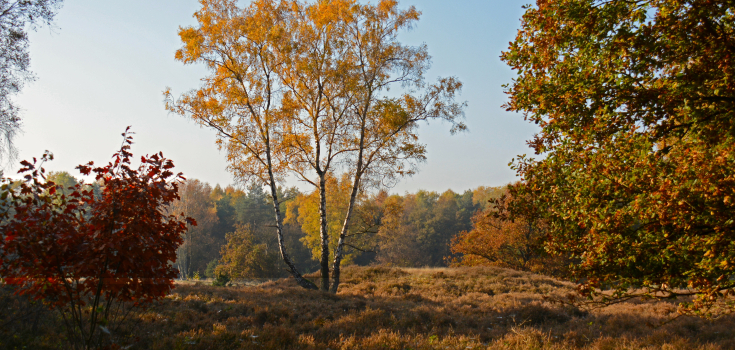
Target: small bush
[(221, 280)]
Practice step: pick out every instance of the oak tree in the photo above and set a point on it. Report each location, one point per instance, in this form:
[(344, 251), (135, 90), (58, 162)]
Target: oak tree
[(636, 153)]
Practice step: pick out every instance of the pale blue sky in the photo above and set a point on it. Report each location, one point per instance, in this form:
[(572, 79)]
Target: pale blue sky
[(106, 64)]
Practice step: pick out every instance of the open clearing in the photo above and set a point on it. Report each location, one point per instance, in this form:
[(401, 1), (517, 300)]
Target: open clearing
[(388, 308)]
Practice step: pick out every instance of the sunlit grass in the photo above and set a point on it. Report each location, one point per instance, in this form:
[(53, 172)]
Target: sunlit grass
[(392, 308)]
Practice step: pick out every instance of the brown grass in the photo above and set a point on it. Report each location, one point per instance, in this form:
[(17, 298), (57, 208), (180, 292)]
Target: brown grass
[(391, 308)]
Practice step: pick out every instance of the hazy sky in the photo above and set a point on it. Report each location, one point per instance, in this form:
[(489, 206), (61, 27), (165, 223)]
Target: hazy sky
[(106, 63)]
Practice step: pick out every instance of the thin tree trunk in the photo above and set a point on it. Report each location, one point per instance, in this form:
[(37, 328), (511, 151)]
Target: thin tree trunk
[(324, 233), (188, 256), (303, 282), (339, 251)]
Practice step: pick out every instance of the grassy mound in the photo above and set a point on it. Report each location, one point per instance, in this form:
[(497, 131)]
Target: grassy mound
[(392, 308)]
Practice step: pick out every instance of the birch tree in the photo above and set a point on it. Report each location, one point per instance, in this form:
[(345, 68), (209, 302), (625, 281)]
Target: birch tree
[(198, 240), (326, 69), (16, 17), (242, 99)]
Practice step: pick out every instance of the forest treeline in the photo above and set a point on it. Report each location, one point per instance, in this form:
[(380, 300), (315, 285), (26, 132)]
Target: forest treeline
[(234, 235), (629, 190), (234, 231), (235, 227)]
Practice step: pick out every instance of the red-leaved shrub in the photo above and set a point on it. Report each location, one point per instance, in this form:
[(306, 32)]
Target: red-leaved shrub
[(92, 256)]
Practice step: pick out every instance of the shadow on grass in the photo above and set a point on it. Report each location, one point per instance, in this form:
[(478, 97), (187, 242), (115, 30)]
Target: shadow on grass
[(384, 308)]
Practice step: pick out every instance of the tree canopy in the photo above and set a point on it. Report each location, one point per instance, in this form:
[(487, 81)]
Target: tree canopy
[(301, 89), (635, 162)]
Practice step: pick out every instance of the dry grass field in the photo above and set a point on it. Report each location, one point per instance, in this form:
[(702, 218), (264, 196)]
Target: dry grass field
[(386, 308)]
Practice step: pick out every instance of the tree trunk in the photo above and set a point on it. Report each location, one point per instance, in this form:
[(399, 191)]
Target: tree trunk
[(303, 282), (324, 232), (279, 232), (339, 251)]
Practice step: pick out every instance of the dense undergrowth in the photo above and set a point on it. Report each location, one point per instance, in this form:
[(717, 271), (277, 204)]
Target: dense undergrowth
[(385, 308)]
